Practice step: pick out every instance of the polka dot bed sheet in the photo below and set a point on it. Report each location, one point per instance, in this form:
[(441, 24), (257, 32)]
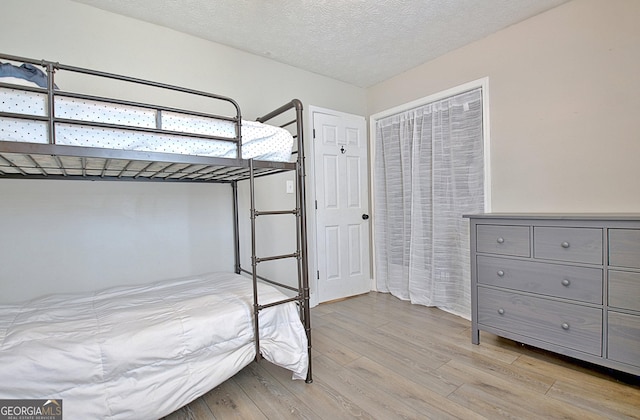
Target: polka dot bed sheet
[(259, 141)]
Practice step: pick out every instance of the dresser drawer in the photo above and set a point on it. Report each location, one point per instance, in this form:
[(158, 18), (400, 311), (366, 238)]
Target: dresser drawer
[(624, 290), (624, 338), (564, 324), (624, 247), (503, 240), (577, 283), (582, 245)]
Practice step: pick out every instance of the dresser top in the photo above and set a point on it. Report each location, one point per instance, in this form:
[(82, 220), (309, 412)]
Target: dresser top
[(557, 216)]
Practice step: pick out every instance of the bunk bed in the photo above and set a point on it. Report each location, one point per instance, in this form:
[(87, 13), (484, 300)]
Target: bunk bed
[(145, 351)]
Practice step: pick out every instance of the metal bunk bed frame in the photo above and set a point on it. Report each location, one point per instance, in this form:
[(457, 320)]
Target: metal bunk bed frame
[(24, 160)]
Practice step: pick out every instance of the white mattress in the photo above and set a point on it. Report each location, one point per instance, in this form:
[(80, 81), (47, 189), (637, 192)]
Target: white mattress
[(142, 352), (259, 141)]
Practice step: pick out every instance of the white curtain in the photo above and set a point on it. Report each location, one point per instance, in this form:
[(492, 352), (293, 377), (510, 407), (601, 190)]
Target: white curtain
[(429, 171)]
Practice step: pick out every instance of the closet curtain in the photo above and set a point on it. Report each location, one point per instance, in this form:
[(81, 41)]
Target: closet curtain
[(428, 172)]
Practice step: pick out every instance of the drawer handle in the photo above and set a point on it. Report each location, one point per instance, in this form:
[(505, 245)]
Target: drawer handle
[(501, 311), (566, 282), (565, 244), (500, 240), (500, 273), (565, 326)]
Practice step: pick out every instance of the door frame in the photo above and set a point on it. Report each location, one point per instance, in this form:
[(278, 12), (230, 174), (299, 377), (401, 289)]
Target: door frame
[(312, 222), (483, 84)]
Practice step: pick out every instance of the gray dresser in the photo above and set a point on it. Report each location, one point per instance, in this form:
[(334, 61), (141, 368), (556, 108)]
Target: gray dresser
[(569, 283)]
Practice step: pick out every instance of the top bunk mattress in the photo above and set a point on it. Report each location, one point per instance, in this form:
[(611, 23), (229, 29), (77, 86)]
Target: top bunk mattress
[(182, 133)]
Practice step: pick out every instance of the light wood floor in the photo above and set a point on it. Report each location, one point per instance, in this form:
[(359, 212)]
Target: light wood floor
[(376, 357)]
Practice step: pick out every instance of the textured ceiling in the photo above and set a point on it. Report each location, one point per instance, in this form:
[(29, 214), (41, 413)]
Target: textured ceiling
[(361, 42)]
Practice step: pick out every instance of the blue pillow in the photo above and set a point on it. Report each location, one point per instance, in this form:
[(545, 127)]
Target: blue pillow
[(26, 71)]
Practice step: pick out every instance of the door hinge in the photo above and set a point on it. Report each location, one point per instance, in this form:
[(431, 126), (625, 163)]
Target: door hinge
[(318, 274), (314, 133), (316, 204)]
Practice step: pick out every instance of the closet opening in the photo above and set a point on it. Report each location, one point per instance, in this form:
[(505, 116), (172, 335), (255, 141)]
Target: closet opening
[(430, 165)]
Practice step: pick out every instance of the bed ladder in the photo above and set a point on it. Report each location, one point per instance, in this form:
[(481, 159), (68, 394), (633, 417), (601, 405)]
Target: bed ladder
[(300, 254)]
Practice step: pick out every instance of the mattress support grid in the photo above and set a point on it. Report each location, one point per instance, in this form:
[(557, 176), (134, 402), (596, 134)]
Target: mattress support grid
[(11, 164), (169, 165), (107, 169), (208, 171), (198, 176), (61, 166), (141, 171), (104, 167), (219, 168), (185, 169), (37, 165), (186, 174)]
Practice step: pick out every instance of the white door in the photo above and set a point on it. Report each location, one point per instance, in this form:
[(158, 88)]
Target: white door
[(342, 200)]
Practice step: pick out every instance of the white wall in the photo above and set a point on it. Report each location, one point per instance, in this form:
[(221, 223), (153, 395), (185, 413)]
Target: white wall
[(565, 95), (84, 235), (108, 225)]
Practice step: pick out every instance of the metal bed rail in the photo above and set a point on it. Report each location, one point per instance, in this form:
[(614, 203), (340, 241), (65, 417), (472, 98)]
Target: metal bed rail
[(51, 160), (53, 67)]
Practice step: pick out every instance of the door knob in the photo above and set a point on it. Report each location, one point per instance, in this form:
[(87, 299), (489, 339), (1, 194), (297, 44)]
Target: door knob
[(365, 216)]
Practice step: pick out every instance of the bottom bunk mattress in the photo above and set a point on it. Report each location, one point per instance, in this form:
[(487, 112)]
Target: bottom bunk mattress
[(143, 351)]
